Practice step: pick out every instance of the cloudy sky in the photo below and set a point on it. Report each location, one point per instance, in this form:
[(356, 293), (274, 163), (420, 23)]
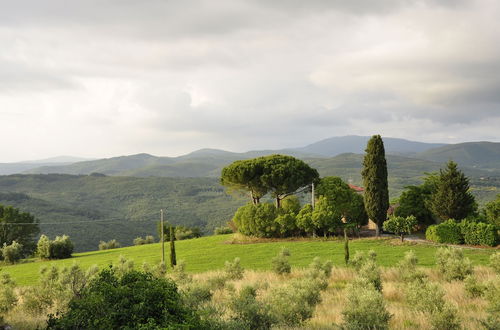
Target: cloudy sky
[(100, 78)]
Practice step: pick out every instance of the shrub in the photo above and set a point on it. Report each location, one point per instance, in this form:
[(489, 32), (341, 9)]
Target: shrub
[(111, 244), (452, 264), (61, 247), (365, 308), (12, 253), (141, 241), (123, 266), (248, 311), (360, 258), (233, 270), (43, 247), (446, 232), (136, 241), (223, 230), (195, 295), (182, 233), (495, 262), (317, 268), (428, 297), (136, 300), (493, 297), (473, 288), (400, 225), (294, 303), (280, 264), (179, 273), (479, 233), (407, 268), (8, 298), (257, 220), (370, 273)]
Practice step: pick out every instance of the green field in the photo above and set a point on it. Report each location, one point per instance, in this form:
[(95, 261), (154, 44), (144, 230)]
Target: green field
[(210, 253)]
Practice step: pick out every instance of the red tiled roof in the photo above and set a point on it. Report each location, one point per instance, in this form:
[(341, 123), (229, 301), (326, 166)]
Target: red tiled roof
[(356, 188)]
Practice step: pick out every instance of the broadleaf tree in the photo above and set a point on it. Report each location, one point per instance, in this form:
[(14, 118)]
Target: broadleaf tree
[(374, 175), (18, 226)]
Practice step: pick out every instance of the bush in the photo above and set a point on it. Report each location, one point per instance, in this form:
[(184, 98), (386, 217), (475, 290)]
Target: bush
[(141, 241), (257, 220), (400, 225), (223, 230), (194, 296), (493, 297), (452, 264), (407, 268), (112, 244), (473, 288), (293, 303), (233, 270), (479, 233), (8, 298), (136, 300), (370, 273), (495, 262), (365, 308), (248, 312), (12, 253), (317, 268), (446, 232), (360, 258), (428, 297), (61, 247), (280, 264), (182, 233), (43, 247)]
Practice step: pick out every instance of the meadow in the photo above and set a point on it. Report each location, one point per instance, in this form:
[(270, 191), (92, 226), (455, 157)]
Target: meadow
[(210, 253)]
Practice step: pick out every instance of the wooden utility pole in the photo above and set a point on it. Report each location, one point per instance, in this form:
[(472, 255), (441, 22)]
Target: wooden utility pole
[(162, 238)]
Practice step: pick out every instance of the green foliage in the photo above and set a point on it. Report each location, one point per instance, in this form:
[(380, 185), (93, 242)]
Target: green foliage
[(234, 270), (367, 268), (400, 226), (290, 205), (280, 263), (249, 313), (325, 217), (492, 295), (293, 303), (173, 256), (451, 198), (22, 233), (428, 297), (245, 175), (414, 201), (146, 240), (492, 212), (407, 268), (473, 288), (375, 181), (478, 233), (111, 244), (360, 258), (320, 269), (452, 264), (223, 230), (43, 247), (8, 298), (61, 247), (446, 232), (304, 219), (182, 232), (136, 299), (495, 262), (346, 203), (11, 253), (257, 220), (365, 308), (284, 175), (179, 273)]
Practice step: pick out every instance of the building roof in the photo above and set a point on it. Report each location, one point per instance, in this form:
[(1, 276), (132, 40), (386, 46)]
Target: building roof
[(356, 188)]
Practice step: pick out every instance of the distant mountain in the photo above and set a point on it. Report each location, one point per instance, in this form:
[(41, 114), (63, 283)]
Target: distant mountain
[(20, 167), (357, 144), (484, 155)]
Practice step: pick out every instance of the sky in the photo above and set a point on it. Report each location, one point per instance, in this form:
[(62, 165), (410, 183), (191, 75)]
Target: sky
[(102, 78)]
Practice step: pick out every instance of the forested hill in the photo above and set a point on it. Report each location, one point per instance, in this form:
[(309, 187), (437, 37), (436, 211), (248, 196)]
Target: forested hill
[(94, 208)]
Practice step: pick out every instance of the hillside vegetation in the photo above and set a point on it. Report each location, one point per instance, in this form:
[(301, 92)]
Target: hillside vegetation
[(210, 253)]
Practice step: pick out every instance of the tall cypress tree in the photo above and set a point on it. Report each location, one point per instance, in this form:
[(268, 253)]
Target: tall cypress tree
[(375, 181), (173, 259), (451, 198)]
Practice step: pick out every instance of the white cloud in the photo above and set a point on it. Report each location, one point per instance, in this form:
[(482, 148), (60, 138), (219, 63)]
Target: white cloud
[(100, 78)]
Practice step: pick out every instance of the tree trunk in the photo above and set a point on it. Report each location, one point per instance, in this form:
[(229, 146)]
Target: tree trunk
[(377, 230), (278, 202), (402, 237), (346, 247)]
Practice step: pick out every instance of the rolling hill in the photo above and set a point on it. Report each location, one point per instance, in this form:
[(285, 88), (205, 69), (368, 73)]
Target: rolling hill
[(484, 155)]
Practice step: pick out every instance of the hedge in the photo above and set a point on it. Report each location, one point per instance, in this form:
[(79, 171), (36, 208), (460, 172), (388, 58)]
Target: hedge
[(446, 232), (468, 232), (479, 233)]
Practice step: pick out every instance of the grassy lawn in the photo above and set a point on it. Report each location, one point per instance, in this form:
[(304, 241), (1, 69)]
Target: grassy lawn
[(210, 253)]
